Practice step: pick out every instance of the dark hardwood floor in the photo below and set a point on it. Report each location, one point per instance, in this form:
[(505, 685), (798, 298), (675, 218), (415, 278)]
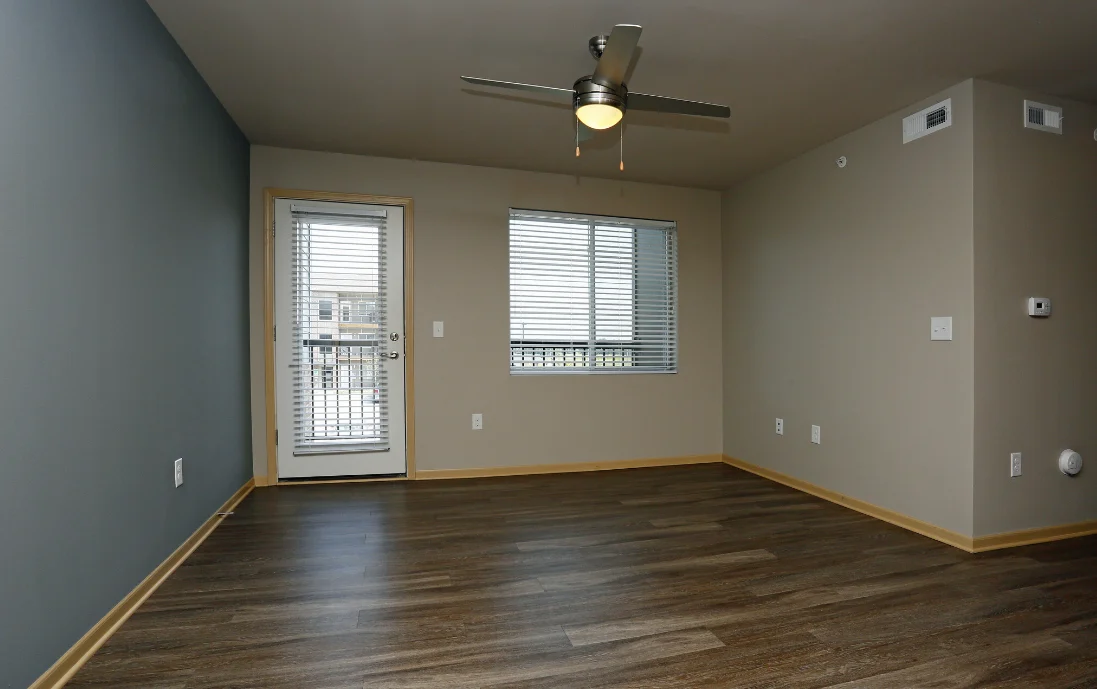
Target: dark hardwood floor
[(700, 576)]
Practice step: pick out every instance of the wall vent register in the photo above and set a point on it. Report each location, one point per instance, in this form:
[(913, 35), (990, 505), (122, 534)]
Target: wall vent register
[(1044, 118), (592, 294), (927, 121)]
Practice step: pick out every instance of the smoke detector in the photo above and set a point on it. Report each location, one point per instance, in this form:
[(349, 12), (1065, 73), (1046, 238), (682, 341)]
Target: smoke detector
[(1070, 462)]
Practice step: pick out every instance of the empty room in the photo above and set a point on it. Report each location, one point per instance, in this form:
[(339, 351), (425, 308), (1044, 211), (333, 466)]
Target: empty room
[(398, 344)]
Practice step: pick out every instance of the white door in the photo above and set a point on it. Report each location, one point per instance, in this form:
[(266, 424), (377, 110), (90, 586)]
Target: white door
[(339, 339)]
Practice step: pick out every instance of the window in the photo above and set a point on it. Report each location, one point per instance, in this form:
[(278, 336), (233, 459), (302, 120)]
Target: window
[(325, 309), (325, 349), (592, 294)]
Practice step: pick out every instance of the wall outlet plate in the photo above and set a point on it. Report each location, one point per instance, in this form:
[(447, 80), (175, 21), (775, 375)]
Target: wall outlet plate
[(780, 426), (178, 472), (477, 422), (1015, 465), (816, 435)]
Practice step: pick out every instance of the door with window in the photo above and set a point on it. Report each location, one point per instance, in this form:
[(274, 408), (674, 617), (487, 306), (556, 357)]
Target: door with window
[(339, 339)]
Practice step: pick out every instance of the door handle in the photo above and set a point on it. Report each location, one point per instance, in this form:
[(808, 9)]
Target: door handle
[(394, 355)]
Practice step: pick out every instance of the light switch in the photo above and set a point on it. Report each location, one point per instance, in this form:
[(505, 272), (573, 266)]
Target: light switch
[(940, 327), (438, 329)]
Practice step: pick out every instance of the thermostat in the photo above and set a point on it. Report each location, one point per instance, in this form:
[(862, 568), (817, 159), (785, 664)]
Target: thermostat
[(1039, 307)]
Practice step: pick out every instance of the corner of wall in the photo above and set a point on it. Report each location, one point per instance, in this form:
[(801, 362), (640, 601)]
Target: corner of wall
[(725, 319), (1034, 213)]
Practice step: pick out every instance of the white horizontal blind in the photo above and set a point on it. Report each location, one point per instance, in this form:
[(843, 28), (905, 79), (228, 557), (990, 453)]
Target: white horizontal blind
[(340, 389), (592, 294)]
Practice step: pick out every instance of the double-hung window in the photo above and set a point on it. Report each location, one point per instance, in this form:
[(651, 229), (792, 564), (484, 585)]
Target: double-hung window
[(592, 294)]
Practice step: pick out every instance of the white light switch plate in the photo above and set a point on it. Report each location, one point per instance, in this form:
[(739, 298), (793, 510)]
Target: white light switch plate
[(178, 472), (438, 328), (940, 328), (477, 422), (816, 435), (1015, 465)]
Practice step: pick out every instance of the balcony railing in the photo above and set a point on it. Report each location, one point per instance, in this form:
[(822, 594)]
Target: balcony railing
[(526, 354), (343, 393)]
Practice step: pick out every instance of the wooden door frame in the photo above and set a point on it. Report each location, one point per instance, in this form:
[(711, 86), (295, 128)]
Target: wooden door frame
[(269, 196)]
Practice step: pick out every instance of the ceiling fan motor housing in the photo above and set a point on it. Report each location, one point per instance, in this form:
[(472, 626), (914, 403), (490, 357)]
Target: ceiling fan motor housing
[(589, 92)]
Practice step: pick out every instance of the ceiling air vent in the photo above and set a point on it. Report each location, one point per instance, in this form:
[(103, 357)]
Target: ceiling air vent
[(928, 121), (1046, 118)]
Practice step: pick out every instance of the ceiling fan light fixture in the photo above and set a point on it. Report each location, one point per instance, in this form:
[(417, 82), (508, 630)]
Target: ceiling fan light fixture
[(599, 115)]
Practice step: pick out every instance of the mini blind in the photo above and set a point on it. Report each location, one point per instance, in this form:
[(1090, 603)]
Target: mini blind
[(592, 294), (340, 400)]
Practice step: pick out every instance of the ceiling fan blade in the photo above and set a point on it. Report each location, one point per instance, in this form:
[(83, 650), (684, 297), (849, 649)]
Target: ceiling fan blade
[(548, 90), (644, 101), (617, 55)]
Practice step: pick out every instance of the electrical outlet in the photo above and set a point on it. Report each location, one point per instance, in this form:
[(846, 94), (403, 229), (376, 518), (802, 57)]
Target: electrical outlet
[(780, 426), (178, 472), (816, 435), (477, 422), (1015, 465)]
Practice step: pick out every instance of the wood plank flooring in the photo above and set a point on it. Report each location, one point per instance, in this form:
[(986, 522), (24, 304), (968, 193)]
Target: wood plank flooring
[(698, 576)]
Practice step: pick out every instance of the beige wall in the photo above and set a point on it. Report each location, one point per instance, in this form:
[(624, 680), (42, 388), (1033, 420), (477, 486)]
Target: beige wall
[(830, 277), (461, 277), (1035, 380)]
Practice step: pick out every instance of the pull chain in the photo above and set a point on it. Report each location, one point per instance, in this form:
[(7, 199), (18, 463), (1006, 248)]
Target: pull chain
[(576, 137), (622, 147)]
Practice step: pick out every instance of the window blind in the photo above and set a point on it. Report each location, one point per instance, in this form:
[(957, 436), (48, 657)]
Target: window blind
[(340, 399), (592, 294)]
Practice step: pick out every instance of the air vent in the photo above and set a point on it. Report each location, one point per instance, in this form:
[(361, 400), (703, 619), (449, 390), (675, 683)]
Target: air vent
[(928, 121), (1046, 118)]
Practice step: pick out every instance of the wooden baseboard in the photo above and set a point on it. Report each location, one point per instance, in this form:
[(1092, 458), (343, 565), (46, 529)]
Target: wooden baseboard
[(325, 481), (261, 481), (882, 513), (73, 659), (1012, 539), (531, 469)]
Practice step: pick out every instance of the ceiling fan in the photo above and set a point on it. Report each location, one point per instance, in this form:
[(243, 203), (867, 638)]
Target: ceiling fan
[(600, 99)]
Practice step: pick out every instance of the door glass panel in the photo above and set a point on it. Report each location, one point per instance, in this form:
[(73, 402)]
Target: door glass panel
[(338, 290)]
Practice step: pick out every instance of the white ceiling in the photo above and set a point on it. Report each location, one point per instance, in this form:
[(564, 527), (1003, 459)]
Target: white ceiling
[(380, 77)]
